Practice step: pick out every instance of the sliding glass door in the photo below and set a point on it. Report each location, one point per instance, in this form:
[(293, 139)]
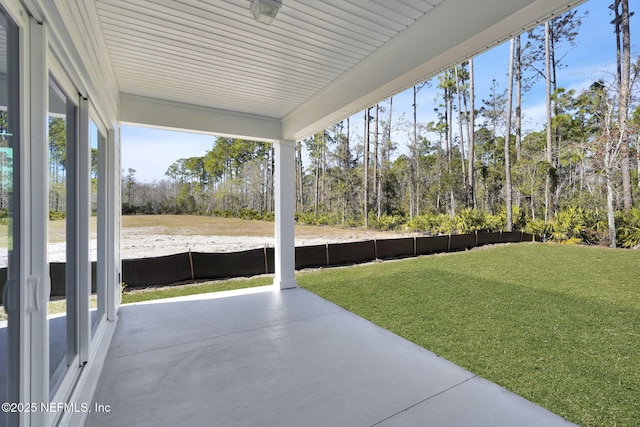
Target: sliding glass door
[(10, 193)]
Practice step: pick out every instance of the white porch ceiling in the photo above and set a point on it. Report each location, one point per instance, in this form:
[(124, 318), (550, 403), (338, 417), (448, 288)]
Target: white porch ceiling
[(320, 61)]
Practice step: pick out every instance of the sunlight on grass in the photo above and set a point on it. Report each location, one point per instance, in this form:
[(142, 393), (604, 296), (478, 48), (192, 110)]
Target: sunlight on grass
[(200, 288), (149, 294), (556, 324), (55, 307)]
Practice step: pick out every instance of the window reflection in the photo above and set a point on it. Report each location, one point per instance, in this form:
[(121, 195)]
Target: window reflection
[(9, 217), (62, 302)]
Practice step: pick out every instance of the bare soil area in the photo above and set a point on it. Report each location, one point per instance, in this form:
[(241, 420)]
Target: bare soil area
[(146, 236), (156, 235)]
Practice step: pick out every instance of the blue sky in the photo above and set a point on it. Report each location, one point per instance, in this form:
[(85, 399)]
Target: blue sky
[(150, 151)]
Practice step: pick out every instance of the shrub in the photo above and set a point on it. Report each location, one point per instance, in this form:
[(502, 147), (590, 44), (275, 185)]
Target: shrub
[(387, 222), (309, 218), (55, 215), (570, 226), (245, 213), (628, 228), (423, 223), (538, 227), (470, 221)]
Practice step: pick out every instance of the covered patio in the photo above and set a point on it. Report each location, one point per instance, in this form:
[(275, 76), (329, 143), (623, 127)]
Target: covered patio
[(257, 357), (280, 356)]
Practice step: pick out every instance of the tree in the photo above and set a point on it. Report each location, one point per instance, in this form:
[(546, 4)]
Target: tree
[(544, 48), (446, 82), (608, 144), (130, 182), (623, 55), (460, 79), (414, 188), (57, 163), (471, 138), (507, 138), (343, 170), (299, 178), (367, 135)]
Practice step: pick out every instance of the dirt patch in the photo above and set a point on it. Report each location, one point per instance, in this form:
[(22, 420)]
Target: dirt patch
[(157, 235), (146, 236)]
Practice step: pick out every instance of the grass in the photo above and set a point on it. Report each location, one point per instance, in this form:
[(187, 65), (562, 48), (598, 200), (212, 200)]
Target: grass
[(56, 306), (199, 288), (559, 325), (556, 324), (138, 295)]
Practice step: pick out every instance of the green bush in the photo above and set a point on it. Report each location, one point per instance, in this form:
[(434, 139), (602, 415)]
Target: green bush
[(538, 227), (432, 224), (309, 218), (245, 213), (55, 215), (387, 222), (628, 228), (422, 223), (470, 221), (570, 226)]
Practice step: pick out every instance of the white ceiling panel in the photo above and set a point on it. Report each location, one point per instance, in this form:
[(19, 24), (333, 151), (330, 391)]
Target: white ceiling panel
[(319, 61), (212, 53)]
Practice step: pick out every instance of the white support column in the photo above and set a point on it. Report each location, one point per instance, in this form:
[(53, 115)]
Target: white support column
[(285, 205)]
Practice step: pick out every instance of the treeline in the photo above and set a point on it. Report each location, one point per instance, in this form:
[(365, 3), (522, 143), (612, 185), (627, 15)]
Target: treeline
[(474, 160), (234, 178)]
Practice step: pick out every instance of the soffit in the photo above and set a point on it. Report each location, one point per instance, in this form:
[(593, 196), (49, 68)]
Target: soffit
[(212, 53), (319, 62)]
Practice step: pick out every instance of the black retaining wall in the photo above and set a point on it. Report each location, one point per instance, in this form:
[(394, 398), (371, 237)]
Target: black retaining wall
[(192, 266)]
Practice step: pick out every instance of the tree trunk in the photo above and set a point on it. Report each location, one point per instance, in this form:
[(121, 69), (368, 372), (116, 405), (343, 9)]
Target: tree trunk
[(300, 176), (376, 166), (449, 137), (461, 130), (347, 166), (507, 139), (389, 141), (611, 222), (470, 150), (366, 169), (413, 191), (316, 198), (624, 95), (549, 190), (518, 108)]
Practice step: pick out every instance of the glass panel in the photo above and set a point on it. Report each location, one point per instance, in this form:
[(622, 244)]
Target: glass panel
[(9, 217), (98, 302), (62, 302)]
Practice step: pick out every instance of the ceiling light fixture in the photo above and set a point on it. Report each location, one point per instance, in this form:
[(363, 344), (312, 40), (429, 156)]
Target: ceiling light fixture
[(265, 11)]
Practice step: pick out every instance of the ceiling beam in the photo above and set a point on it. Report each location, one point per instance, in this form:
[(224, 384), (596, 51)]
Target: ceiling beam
[(158, 113)]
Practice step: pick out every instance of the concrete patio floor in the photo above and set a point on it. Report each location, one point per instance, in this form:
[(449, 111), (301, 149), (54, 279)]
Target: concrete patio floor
[(286, 358)]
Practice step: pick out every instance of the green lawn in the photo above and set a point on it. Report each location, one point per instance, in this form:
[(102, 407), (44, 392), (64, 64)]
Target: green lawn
[(559, 325)]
